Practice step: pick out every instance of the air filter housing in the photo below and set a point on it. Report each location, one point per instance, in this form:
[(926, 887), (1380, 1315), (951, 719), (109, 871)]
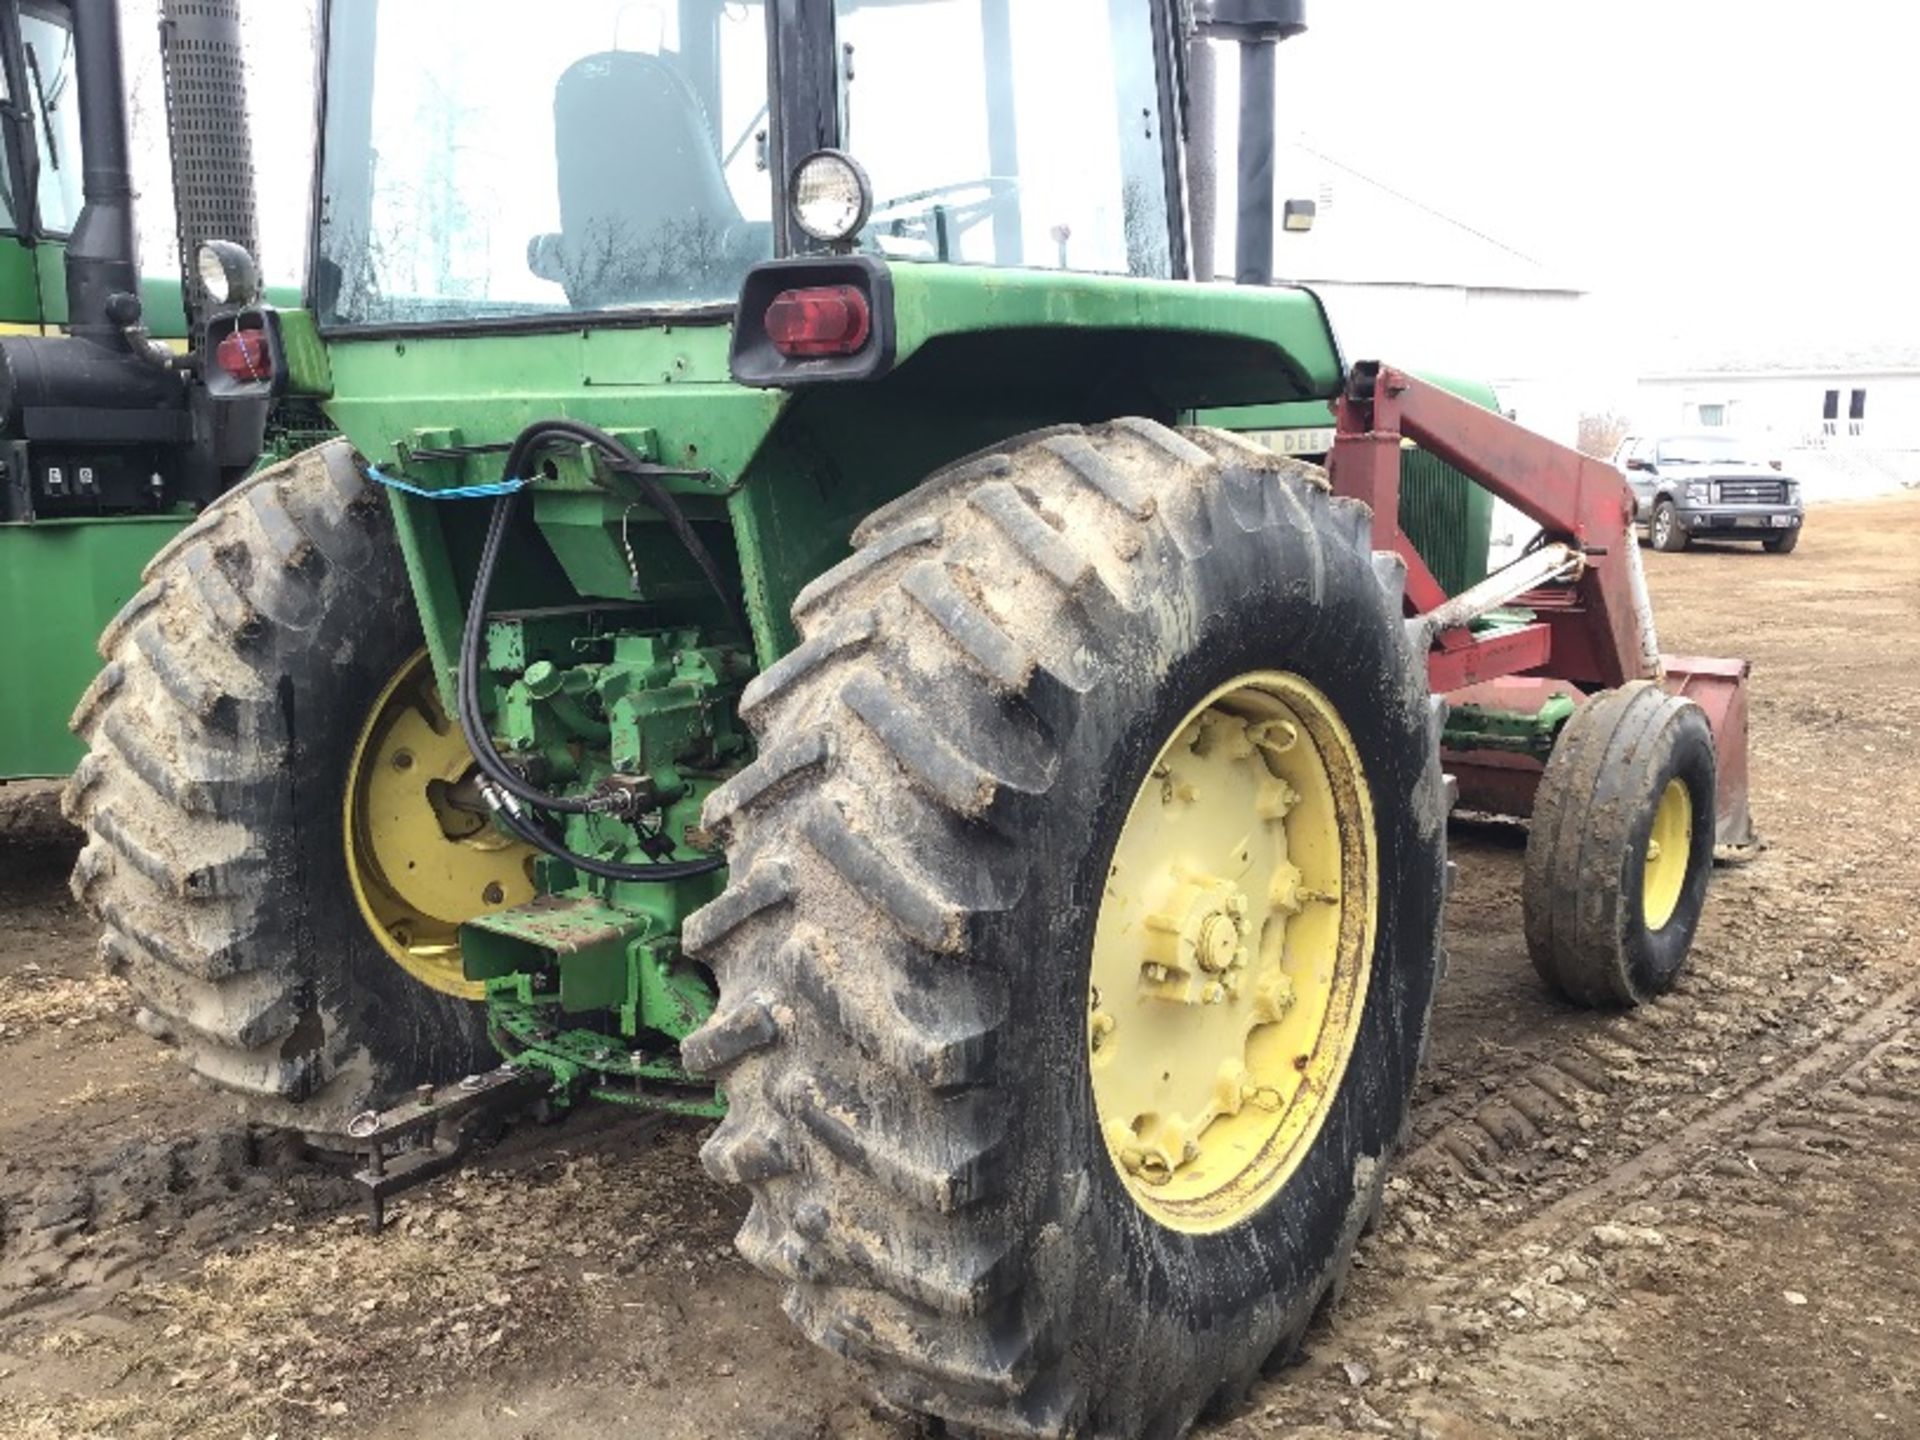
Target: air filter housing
[(208, 133)]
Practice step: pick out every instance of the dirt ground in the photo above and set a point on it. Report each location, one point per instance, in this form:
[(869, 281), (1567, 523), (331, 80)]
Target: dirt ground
[(1699, 1220)]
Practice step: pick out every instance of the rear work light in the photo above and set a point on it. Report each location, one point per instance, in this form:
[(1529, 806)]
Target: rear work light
[(825, 320), (245, 356)]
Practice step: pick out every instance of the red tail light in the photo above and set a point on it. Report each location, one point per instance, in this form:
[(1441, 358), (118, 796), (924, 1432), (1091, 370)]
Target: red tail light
[(244, 355), (828, 320)]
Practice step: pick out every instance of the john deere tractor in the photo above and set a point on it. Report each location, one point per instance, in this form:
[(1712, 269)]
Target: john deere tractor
[(109, 444), (772, 643)]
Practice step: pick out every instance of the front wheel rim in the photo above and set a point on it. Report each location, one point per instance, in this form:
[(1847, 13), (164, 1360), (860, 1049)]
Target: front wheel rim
[(1669, 854), (1232, 952)]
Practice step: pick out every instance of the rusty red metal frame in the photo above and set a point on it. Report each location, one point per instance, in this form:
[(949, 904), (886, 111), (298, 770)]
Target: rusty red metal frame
[(1587, 633)]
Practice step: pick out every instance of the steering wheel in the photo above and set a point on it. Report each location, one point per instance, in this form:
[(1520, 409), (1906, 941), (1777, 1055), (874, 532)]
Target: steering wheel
[(913, 216)]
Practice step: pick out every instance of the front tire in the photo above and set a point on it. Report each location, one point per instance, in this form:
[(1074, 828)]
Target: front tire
[(919, 860), (1666, 532), (1783, 543), (221, 729), (1620, 848)]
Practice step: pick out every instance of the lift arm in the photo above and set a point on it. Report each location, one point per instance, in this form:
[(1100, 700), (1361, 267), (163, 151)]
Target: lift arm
[(1594, 628), (1590, 631)]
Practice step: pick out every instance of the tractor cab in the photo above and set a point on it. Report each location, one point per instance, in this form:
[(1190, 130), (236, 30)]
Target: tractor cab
[(623, 156)]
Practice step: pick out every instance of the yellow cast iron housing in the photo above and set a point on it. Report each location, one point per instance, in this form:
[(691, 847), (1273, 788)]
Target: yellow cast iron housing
[(422, 856), (1232, 952)]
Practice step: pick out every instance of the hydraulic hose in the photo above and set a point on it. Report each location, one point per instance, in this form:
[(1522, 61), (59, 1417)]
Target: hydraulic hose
[(509, 786)]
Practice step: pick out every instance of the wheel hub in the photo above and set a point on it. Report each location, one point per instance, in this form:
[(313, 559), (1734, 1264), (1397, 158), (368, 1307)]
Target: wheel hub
[(1231, 952), (422, 856)]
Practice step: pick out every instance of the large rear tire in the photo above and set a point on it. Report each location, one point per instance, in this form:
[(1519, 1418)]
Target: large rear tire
[(910, 1026), (221, 730)]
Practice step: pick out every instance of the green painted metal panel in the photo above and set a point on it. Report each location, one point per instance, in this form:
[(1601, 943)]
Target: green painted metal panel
[(1205, 345), (61, 581), (19, 285), (50, 261), (1448, 518), (980, 355)]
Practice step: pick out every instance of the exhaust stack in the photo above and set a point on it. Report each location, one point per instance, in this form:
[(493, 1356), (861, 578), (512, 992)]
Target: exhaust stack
[(207, 135), (103, 251), (1258, 26)]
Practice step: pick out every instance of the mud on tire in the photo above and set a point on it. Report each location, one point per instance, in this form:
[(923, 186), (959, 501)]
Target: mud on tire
[(1587, 846), (220, 729), (918, 856)]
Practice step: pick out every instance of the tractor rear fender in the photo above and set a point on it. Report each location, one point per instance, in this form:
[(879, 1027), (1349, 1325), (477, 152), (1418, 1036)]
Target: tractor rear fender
[(963, 358), (973, 357)]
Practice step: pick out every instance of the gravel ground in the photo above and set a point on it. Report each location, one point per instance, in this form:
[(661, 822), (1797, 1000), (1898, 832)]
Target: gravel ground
[(1700, 1220)]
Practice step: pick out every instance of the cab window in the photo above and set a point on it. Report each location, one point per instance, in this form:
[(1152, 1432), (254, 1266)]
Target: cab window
[(9, 219), (1025, 135), (54, 101)]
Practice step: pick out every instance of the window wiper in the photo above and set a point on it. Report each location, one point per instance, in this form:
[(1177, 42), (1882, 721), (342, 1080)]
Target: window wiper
[(46, 112)]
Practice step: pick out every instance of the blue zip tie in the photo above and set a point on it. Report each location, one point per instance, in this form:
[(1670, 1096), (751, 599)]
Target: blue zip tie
[(454, 492)]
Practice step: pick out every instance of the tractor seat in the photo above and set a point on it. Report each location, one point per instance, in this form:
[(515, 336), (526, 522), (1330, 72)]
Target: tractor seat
[(645, 212)]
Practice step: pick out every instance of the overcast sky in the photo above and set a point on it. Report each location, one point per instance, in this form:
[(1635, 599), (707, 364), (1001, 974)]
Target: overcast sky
[(1738, 163)]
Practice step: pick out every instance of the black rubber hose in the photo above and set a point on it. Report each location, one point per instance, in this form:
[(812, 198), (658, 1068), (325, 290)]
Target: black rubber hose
[(480, 741), (628, 463), (467, 697), (659, 872)]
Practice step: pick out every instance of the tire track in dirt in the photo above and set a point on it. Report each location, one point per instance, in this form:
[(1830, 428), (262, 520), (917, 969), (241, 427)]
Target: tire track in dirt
[(1854, 1055), (1558, 1129), (1535, 1103), (89, 1229)]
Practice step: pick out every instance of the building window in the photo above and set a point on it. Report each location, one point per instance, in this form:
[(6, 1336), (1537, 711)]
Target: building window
[(1856, 412), (1712, 416), (1830, 414)]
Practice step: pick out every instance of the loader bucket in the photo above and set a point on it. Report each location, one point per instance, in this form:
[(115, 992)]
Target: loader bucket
[(1719, 687), (1503, 781)]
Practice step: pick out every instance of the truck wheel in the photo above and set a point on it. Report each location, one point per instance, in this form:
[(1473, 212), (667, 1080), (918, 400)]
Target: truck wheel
[(1621, 847), (1082, 929), (268, 668), (1666, 532), (1784, 542)]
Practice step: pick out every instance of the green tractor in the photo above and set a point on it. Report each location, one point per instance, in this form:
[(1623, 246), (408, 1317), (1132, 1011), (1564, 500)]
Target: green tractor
[(773, 643), (108, 443)]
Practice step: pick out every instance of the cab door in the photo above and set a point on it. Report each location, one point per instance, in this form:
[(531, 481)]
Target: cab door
[(21, 311)]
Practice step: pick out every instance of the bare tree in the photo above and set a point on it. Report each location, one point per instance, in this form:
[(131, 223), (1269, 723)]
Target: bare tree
[(1601, 433)]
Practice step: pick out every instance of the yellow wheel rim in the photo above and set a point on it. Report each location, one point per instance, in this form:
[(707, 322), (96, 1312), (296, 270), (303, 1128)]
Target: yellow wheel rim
[(421, 856), (1669, 850), (1232, 952)]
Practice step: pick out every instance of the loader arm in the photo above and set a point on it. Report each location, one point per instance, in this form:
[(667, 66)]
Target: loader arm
[(1591, 631)]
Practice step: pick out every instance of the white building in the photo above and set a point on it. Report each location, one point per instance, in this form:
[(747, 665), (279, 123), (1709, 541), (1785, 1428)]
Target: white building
[(1848, 418), (1406, 282)]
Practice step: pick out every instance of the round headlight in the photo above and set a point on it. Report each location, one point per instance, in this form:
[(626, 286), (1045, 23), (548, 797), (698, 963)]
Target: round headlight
[(831, 197), (228, 273)]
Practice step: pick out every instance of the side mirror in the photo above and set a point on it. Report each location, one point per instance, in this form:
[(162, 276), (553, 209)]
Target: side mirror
[(1638, 462), (546, 259)]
